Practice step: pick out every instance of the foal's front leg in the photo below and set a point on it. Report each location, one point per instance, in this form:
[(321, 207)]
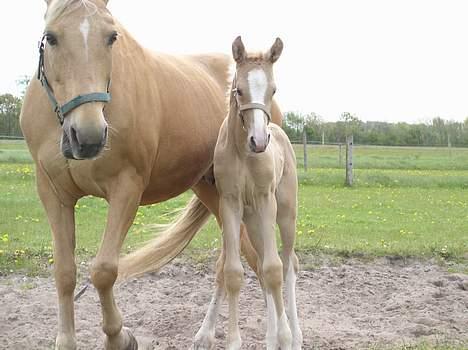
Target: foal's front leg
[(123, 205), (261, 227), (231, 214)]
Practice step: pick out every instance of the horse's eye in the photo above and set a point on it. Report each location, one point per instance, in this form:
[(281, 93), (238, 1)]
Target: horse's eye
[(274, 91), (239, 92), (51, 39), (112, 38)]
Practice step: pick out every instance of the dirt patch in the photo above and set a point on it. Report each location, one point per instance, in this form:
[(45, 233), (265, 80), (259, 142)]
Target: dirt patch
[(353, 305)]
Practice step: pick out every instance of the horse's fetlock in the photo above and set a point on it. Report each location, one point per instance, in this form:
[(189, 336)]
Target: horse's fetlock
[(112, 329)]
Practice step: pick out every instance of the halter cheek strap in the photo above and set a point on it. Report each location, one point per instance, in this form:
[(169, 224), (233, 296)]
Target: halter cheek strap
[(63, 110)]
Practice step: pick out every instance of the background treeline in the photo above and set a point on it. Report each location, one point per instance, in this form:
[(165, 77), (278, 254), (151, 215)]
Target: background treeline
[(437, 132)]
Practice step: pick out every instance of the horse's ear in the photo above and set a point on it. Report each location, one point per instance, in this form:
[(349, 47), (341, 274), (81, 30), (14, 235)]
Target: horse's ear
[(275, 51), (105, 2), (48, 2), (238, 50)]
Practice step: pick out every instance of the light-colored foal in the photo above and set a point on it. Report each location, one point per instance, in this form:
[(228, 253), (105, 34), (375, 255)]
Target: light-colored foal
[(255, 174)]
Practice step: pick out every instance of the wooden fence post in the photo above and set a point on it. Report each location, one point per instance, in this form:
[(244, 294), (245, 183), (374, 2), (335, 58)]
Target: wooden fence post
[(304, 142), (340, 156), (349, 160)]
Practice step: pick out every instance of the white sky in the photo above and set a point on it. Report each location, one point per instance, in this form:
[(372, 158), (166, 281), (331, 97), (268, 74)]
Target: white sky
[(388, 60)]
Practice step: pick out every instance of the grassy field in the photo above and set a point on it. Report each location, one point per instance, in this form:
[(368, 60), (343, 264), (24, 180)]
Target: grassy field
[(405, 202)]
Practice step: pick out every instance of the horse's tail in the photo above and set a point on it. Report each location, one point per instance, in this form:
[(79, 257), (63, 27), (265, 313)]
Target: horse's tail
[(172, 239)]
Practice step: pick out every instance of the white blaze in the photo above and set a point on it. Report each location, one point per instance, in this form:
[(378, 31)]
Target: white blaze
[(258, 85), (84, 29)]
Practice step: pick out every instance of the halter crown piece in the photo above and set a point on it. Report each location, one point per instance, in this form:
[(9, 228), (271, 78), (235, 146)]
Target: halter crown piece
[(63, 110)]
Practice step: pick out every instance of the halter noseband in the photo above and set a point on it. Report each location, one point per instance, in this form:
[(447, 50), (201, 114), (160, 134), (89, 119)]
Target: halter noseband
[(63, 110), (247, 106)]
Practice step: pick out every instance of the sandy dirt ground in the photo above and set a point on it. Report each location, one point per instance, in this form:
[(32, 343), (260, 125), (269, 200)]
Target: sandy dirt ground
[(350, 305)]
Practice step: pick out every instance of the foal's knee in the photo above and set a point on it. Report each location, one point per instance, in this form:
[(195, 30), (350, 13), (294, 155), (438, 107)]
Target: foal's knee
[(273, 273), (233, 277), (103, 274)]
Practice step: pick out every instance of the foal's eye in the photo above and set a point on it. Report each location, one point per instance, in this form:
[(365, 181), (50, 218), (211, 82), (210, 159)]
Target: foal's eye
[(112, 38), (51, 39)]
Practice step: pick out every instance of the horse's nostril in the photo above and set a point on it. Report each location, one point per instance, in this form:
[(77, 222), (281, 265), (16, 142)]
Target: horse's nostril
[(73, 136), (252, 141), (106, 130)]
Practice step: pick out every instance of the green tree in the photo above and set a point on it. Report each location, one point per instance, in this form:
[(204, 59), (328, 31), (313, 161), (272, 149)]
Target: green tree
[(10, 108)]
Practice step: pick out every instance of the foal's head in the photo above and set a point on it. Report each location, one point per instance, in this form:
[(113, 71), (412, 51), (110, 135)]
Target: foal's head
[(254, 89), (77, 60)]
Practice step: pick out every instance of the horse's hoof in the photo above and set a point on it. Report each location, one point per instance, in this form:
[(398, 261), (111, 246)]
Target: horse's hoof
[(133, 344), (124, 341)]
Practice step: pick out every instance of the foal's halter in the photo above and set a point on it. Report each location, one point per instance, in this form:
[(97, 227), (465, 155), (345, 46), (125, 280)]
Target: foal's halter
[(247, 106), (63, 110)]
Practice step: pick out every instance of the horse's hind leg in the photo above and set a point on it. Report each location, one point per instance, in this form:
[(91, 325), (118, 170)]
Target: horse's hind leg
[(124, 200), (205, 337), (286, 219), (61, 215)]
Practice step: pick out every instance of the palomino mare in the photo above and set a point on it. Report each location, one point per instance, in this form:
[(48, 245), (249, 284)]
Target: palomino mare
[(152, 141), (255, 173)]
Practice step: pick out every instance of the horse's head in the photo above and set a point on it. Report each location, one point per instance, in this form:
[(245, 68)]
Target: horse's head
[(254, 87), (75, 69)]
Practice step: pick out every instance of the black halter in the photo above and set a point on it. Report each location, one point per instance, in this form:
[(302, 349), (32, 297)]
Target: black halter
[(63, 110)]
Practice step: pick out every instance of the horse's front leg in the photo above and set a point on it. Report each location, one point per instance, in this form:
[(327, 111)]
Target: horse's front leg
[(124, 199), (61, 214)]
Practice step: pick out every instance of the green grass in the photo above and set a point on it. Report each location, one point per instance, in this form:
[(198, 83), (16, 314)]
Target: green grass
[(389, 212), (377, 157)]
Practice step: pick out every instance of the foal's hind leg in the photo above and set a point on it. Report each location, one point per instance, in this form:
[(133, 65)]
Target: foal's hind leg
[(205, 337), (286, 218), (61, 215)]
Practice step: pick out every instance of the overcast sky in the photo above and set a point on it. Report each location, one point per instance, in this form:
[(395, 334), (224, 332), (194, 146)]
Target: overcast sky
[(390, 60)]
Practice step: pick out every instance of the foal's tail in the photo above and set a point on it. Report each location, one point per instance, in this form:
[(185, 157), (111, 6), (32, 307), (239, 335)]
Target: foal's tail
[(172, 239)]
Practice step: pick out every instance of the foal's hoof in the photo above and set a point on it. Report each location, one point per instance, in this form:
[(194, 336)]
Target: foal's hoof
[(65, 343), (203, 342), (124, 341)]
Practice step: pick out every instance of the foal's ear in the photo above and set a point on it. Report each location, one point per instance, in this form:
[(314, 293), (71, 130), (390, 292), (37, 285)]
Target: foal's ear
[(275, 51), (238, 50)]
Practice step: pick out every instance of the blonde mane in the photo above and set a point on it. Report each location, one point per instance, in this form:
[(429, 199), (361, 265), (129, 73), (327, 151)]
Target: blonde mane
[(58, 7)]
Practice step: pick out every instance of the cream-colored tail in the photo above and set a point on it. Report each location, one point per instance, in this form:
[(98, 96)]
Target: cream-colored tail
[(173, 238)]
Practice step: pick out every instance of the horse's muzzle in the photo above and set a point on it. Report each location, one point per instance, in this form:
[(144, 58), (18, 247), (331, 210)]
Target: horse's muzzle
[(76, 145)]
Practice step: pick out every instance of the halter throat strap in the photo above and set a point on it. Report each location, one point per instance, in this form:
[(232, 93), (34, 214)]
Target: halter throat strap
[(63, 110)]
